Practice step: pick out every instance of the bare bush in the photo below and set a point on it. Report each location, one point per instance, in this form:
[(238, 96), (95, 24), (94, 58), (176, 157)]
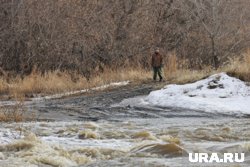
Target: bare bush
[(14, 113)]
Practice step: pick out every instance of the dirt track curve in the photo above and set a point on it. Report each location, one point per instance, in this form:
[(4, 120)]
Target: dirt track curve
[(96, 106)]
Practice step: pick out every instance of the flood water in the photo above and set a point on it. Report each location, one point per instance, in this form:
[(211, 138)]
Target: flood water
[(134, 142), (132, 136)]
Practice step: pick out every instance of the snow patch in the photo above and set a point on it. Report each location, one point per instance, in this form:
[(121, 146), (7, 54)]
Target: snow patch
[(217, 93)]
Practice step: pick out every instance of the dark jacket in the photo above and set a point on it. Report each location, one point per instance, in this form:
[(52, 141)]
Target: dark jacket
[(156, 60)]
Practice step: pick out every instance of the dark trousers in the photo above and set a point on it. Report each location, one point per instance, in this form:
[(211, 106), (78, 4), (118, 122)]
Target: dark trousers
[(157, 71)]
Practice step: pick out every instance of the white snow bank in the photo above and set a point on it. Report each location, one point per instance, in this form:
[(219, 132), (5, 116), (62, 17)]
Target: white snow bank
[(217, 93)]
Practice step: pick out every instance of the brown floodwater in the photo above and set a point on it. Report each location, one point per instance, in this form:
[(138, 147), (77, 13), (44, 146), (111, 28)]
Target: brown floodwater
[(134, 142)]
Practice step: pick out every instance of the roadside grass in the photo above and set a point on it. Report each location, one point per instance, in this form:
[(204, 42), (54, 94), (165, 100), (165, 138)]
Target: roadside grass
[(188, 76), (60, 82)]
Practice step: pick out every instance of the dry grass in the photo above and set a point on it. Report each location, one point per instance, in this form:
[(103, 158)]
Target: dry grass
[(58, 82), (12, 113), (125, 74), (188, 76), (239, 67), (176, 71)]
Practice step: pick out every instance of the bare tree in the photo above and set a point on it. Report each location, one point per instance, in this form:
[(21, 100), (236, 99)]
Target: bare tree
[(220, 21), (87, 36)]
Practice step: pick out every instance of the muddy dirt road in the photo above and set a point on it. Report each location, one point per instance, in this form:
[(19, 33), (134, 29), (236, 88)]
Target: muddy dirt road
[(91, 106)]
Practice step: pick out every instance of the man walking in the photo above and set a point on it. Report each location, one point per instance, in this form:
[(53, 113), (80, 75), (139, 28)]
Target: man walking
[(156, 63)]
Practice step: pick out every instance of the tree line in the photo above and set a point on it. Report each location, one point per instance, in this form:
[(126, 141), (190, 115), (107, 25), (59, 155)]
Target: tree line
[(88, 36)]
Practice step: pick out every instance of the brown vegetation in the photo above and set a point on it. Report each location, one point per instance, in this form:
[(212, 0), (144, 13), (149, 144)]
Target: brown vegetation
[(89, 36), (12, 113), (58, 82), (240, 67)]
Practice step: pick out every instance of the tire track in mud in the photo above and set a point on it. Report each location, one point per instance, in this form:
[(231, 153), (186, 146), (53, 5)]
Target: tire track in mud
[(92, 106), (98, 106)]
